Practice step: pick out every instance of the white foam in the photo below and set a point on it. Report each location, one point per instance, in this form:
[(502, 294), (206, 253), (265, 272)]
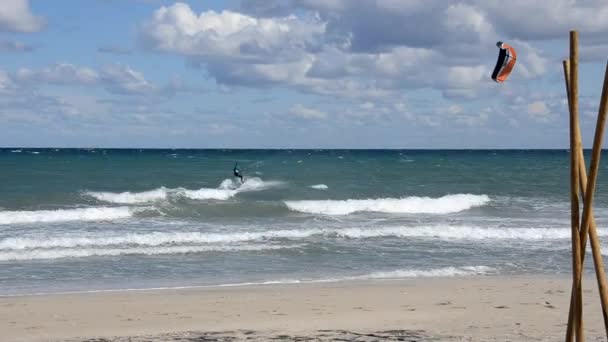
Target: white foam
[(425, 273), (173, 238), (447, 232), (395, 274), (227, 189), (409, 205), (80, 214), (388, 275), (150, 239), (130, 197), (38, 254), (204, 194), (319, 187)]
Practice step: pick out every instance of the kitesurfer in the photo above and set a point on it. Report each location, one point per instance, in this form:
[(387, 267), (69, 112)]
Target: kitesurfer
[(237, 172)]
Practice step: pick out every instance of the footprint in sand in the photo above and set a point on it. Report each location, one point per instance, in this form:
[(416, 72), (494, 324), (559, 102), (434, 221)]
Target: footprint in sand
[(549, 305)]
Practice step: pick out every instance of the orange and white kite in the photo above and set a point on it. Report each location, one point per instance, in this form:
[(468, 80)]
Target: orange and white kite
[(505, 63)]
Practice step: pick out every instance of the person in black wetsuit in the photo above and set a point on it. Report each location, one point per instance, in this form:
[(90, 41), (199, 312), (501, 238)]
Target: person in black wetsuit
[(237, 172)]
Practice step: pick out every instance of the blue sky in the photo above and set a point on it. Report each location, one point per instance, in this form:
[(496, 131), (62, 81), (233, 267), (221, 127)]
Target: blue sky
[(293, 73)]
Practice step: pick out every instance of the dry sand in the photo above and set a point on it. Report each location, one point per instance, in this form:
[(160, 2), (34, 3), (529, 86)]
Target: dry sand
[(472, 309)]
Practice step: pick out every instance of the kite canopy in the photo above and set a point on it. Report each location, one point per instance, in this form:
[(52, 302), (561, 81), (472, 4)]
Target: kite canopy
[(505, 63)]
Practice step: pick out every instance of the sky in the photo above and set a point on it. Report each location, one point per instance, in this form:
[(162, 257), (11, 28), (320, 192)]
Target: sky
[(294, 73)]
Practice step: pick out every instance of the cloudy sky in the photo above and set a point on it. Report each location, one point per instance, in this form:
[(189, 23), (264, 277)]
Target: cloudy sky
[(293, 73)]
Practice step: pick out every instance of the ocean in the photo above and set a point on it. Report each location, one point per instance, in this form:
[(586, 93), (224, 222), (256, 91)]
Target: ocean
[(108, 219)]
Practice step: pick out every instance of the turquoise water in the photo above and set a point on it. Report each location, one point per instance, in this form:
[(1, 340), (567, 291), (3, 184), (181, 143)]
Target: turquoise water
[(95, 219)]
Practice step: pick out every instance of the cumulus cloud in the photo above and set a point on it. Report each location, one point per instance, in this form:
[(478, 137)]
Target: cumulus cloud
[(228, 34), (538, 20), (59, 73), (6, 82), (341, 48), (15, 16), (307, 113), (123, 80), (538, 110)]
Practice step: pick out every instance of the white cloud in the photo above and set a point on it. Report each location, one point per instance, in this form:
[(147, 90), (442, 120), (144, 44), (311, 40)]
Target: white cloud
[(228, 34), (337, 48), (6, 83), (307, 113), (15, 16), (60, 73), (124, 80), (115, 78), (536, 20)]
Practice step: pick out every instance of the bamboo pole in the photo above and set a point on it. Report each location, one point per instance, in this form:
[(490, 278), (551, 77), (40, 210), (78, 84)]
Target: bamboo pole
[(575, 324), (593, 236), (590, 191), (569, 337)]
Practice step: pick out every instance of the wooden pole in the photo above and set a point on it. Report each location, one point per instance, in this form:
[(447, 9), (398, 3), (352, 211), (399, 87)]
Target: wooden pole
[(589, 196), (569, 336), (576, 323), (593, 237)]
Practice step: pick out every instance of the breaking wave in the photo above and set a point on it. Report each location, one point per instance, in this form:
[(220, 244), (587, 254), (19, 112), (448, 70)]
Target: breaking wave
[(395, 274), (173, 238), (80, 214), (319, 187), (420, 273), (131, 197), (227, 189), (38, 254), (409, 205)]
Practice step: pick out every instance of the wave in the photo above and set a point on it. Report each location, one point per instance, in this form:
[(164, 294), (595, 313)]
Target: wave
[(205, 194), (461, 233), (131, 197), (320, 187), (172, 238), (419, 273), (40, 254), (151, 239), (227, 189), (395, 274), (388, 275), (409, 205), (80, 214)]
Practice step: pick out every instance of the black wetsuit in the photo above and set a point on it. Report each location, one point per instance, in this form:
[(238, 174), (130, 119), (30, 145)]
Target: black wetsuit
[(237, 172)]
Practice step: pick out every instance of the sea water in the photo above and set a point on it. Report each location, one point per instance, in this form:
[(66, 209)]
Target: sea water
[(104, 219)]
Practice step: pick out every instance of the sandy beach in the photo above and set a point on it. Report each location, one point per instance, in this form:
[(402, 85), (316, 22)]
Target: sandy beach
[(455, 309)]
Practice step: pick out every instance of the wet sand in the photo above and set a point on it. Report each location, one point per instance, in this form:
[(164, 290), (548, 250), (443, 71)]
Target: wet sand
[(437, 309)]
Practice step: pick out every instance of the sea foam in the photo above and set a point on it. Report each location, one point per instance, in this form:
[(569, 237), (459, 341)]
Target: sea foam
[(59, 215), (38, 254), (409, 205), (227, 189), (319, 187), (442, 232), (131, 197)]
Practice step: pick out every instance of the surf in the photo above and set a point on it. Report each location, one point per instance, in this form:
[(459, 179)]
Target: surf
[(62, 215), (225, 191), (409, 205)]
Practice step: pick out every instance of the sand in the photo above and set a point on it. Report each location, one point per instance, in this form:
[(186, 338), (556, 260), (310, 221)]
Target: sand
[(437, 309)]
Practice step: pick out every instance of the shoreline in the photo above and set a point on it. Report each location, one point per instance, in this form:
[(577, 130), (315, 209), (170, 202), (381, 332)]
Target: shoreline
[(481, 308), (287, 282)]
